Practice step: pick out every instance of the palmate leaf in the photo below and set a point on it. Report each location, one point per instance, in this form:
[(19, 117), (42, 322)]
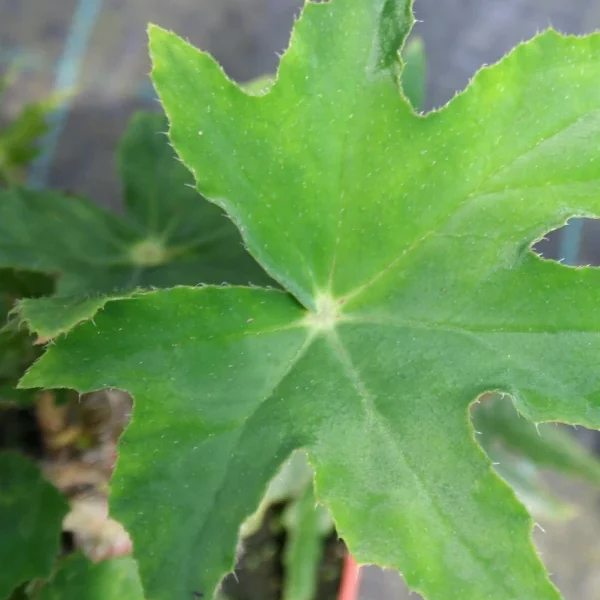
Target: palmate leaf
[(404, 245), (49, 317), (31, 514), (168, 236)]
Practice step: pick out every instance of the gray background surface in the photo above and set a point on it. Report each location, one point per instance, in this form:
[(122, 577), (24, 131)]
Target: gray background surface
[(99, 48)]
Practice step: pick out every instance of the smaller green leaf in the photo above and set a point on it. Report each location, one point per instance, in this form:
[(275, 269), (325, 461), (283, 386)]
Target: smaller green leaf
[(414, 74), (31, 515), (79, 578), (169, 236), (303, 520), (546, 445), (53, 233)]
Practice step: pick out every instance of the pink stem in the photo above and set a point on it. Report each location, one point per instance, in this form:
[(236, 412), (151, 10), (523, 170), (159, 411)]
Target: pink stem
[(350, 579)]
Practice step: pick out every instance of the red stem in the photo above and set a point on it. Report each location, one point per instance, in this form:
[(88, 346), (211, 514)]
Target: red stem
[(350, 579)]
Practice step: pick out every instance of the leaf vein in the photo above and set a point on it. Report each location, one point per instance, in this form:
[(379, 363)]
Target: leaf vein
[(475, 194), (381, 422)]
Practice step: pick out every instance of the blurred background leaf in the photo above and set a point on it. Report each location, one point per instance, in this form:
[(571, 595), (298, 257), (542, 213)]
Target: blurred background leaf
[(78, 578), (31, 515)]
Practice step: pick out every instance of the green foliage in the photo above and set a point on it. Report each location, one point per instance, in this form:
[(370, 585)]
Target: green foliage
[(77, 578), (31, 514), (521, 451), (545, 445), (20, 136), (307, 524), (414, 73), (18, 142), (169, 235), (17, 351), (49, 317), (524, 478), (20, 284), (402, 244), (289, 485)]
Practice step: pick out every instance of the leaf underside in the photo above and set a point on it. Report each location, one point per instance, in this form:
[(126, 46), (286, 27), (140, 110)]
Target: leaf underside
[(403, 244)]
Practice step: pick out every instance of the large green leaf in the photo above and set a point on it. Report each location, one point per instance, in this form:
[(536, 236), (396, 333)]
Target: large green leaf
[(78, 578), (168, 236), (404, 244), (31, 514)]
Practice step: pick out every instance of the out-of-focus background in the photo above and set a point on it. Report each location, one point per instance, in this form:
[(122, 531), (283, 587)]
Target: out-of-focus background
[(94, 52)]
